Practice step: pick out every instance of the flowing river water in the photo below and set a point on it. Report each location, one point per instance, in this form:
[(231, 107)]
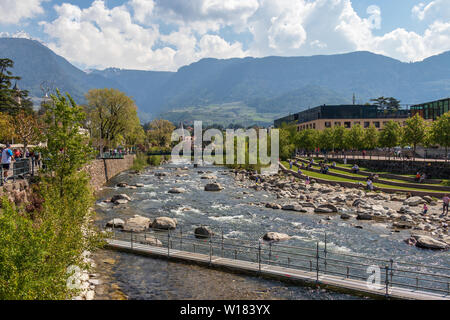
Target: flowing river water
[(232, 211)]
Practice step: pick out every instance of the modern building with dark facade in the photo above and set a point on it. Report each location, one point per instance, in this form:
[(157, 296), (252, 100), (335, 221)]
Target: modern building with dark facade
[(328, 116), (431, 110)]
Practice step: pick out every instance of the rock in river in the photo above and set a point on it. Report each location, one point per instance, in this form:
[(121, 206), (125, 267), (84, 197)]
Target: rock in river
[(177, 190), (293, 207), (116, 223), (427, 242), (120, 197), (137, 224), (275, 236), (414, 201), (164, 223), (203, 232), (213, 187), (364, 216)]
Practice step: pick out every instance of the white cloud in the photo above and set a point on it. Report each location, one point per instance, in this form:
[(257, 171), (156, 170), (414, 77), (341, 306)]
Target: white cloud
[(101, 37), (375, 16), (143, 10), (129, 35), (14, 11), (435, 10)]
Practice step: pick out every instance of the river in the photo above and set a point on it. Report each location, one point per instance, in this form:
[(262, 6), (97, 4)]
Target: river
[(232, 211)]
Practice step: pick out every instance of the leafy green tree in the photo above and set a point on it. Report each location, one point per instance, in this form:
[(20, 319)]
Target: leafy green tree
[(12, 101), (390, 135), (355, 137), (370, 138), (339, 137), (325, 139), (160, 132), (111, 117), (414, 132), (440, 132)]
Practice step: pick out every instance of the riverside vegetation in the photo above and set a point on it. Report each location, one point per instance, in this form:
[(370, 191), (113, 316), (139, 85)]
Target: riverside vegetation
[(38, 244)]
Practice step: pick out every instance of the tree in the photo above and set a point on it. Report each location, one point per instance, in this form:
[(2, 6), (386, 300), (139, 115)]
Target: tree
[(414, 132), (67, 148), (6, 123), (26, 128), (9, 97), (370, 138), (388, 104), (325, 139), (110, 115), (355, 137), (390, 135), (160, 132), (440, 132), (339, 137)]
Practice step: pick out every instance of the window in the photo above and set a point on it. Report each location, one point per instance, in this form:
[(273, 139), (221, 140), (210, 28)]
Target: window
[(314, 125), (384, 123), (376, 124), (327, 124), (356, 122), (337, 124), (347, 124), (366, 124)]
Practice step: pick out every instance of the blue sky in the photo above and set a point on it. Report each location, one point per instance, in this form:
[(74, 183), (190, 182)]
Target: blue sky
[(167, 34)]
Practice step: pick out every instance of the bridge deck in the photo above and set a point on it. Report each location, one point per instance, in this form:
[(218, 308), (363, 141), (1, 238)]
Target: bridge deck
[(281, 273)]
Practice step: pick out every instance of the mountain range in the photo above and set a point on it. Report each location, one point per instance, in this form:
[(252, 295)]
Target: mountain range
[(267, 87)]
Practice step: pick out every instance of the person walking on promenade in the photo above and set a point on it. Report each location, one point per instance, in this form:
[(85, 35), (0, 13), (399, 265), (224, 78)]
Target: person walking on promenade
[(446, 201), (7, 158)]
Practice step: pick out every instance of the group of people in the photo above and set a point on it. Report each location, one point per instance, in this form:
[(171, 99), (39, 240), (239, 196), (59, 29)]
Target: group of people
[(324, 168), (9, 156), (420, 176)]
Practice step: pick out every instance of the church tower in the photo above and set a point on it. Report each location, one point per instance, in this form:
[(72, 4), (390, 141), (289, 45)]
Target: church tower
[(16, 94)]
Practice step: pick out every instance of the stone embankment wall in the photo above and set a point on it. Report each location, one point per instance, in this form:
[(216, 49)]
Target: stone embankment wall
[(101, 170), (17, 192)]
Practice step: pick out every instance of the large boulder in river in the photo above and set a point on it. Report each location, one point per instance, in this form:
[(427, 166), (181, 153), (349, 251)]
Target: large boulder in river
[(120, 197), (208, 177), (164, 223), (177, 190), (275, 236), (427, 242), (323, 210), (213, 187), (329, 206), (293, 207), (116, 223), (203, 232), (414, 201), (160, 174), (364, 216), (137, 224)]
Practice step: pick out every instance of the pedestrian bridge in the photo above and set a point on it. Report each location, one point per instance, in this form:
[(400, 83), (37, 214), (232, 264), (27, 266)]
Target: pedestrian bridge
[(311, 266)]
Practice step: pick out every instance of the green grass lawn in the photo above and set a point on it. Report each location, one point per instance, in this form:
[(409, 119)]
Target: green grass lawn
[(445, 182), (313, 174)]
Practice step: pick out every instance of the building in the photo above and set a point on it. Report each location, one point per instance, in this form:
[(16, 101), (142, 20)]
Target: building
[(342, 115), (431, 110), (16, 94)]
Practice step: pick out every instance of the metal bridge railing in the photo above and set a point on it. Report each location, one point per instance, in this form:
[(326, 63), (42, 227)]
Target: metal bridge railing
[(318, 259), (20, 168)]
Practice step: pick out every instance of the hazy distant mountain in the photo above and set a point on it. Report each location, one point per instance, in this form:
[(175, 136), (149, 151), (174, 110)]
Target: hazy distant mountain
[(271, 85)]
